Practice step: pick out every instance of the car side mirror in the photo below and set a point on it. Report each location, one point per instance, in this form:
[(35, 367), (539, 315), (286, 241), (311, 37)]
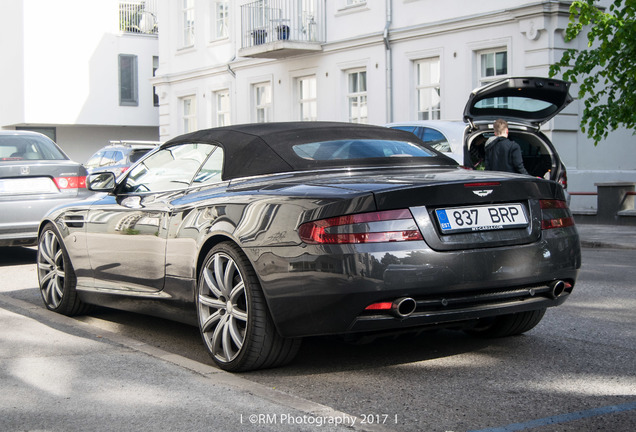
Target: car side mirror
[(101, 182)]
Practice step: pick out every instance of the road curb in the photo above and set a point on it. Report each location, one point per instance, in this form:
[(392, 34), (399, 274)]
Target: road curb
[(595, 244)]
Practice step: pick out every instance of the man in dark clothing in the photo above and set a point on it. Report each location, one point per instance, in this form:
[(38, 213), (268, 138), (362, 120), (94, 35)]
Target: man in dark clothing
[(503, 154)]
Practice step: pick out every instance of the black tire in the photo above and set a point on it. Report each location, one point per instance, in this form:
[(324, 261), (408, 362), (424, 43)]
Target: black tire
[(235, 323), (507, 325), (56, 276)]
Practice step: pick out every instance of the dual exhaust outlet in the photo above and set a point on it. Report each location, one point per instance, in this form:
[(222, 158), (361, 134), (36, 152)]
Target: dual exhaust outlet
[(557, 288), (405, 306)]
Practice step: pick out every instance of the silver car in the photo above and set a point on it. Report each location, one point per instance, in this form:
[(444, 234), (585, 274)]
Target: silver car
[(35, 176)]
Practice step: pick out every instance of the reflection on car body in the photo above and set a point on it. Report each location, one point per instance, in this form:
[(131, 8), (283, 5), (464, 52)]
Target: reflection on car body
[(286, 230)]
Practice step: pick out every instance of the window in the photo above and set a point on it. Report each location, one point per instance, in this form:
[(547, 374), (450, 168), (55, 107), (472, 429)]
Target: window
[(187, 22), (212, 168), (357, 96), (307, 98), (349, 149), (221, 11), (19, 147), (430, 136), (492, 65), (262, 102), (128, 93), (189, 114), (428, 89), (155, 66), (222, 105), (171, 168)]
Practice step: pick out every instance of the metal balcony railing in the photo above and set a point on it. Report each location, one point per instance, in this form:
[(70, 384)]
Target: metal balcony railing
[(267, 21), (138, 16)]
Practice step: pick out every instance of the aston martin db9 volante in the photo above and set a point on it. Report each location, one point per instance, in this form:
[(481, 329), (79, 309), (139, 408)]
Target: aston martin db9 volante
[(263, 234)]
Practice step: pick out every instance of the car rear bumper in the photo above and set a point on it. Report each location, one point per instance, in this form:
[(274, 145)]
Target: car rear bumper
[(326, 289), (19, 219)]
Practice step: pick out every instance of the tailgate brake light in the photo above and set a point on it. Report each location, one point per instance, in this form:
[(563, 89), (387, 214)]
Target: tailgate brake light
[(73, 182), (555, 214), (376, 227)]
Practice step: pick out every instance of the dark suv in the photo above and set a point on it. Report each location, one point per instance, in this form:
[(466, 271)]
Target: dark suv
[(119, 156), (525, 102)]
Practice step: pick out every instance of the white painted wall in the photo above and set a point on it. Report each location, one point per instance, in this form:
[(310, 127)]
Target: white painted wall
[(60, 69), (11, 61), (71, 64)]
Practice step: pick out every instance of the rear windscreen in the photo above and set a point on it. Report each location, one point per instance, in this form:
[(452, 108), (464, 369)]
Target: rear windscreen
[(359, 149), (515, 103), (28, 147)]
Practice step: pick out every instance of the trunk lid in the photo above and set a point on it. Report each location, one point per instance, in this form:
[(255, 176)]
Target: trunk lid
[(44, 178), (530, 101), (428, 194)]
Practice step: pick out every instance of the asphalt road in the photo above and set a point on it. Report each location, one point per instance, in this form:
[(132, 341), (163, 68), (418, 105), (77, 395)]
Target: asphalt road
[(575, 372)]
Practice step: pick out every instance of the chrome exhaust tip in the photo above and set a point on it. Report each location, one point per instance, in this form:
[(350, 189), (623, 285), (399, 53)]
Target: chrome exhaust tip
[(403, 307), (556, 288)]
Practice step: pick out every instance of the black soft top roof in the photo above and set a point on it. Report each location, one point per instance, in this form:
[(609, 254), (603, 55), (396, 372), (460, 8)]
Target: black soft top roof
[(266, 148)]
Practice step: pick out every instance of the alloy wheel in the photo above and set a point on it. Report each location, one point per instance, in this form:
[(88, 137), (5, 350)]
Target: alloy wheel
[(51, 269), (223, 311)]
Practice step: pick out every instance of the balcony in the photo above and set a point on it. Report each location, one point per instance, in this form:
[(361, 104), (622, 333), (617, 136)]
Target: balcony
[(282, 28), (138, 16)]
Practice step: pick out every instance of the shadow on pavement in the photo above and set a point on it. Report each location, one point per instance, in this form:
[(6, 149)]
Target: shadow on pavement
[(17, 255)]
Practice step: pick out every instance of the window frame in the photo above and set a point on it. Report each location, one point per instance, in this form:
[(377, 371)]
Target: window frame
[(311, 101), (222, 115), (155, 95), (486, 79), (354, 96), (257, 106), (223, 20), (188, 26), (188, 119), (431, 86), (133, 77)]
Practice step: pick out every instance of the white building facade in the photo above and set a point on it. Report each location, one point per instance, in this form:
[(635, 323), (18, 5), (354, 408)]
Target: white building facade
[(373, 61), (79, 71)]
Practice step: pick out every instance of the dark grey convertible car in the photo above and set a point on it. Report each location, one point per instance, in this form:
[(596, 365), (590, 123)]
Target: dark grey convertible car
[(263, 234)]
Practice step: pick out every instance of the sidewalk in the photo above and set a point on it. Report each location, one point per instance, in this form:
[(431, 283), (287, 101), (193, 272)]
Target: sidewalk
[(607, 236), (59, 374)]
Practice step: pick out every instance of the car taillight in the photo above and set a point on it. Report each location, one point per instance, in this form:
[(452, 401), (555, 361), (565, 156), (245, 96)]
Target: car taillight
[(376, 227), (555, 214), (73, 182), (563, 180)]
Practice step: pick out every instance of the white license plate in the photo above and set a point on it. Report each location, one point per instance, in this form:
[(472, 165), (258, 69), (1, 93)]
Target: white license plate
[(481, 218), (31, 185)]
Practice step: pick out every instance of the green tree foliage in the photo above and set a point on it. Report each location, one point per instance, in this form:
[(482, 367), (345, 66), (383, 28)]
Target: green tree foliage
[(606, 70)]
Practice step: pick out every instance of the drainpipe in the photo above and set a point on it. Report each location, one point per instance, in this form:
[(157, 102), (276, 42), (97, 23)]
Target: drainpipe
[(229, 68), (389, 63)]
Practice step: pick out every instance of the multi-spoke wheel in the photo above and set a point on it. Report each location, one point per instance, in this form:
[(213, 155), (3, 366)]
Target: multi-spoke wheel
[(233, 318), (56, 276)]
